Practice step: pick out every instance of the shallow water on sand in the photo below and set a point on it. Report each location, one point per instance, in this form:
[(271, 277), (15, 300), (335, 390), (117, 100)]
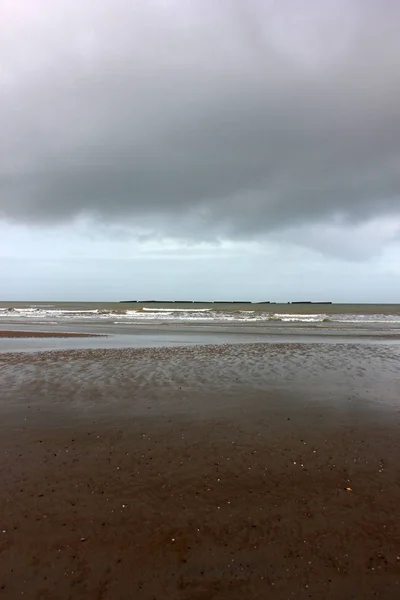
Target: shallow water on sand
[(181, 379)]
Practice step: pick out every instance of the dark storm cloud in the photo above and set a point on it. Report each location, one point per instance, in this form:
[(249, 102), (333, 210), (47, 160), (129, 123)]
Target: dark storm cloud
[(232, 118)]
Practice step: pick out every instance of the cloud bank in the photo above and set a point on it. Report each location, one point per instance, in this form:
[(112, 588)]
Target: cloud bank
[(200, 119)]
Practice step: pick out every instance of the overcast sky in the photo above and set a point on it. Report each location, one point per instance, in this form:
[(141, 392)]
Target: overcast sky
[(200, 148)]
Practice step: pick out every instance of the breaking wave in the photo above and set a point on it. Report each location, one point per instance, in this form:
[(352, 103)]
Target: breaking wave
[(51, 314)]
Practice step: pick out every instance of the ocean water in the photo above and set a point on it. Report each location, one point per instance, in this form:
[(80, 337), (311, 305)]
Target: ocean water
[(385, 317)]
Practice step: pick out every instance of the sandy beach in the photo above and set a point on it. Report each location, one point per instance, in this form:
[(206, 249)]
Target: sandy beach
[(214, 472), (43, 334)]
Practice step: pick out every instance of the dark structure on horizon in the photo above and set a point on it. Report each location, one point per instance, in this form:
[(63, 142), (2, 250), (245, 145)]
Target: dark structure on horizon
[(215, 302)]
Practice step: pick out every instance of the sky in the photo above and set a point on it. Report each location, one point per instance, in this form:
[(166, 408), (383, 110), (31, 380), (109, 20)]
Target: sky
[(230, 149)]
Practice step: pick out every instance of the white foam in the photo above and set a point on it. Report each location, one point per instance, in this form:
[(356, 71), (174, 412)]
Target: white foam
[(40, 314), (185, 310)]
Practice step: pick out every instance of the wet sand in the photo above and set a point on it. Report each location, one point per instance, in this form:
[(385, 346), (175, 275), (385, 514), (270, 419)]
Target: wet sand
[(43, 334), (201, 473), (162, 336)]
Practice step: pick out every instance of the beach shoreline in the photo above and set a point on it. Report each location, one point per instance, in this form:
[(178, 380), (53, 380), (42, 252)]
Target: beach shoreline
[(32, 338)]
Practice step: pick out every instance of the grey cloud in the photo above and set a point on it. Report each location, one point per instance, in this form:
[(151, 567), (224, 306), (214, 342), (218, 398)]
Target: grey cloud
[(201, 119)]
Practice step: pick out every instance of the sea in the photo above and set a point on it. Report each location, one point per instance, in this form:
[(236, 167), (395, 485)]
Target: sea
[(382, 317)]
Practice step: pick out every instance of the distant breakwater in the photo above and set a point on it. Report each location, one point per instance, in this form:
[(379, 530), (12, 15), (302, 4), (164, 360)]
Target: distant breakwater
[(214, 302)]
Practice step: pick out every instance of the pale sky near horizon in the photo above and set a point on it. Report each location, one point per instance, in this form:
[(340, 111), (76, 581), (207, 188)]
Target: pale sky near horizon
[(202, 149)]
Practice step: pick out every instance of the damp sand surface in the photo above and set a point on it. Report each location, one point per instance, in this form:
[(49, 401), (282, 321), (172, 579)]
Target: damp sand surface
[(44, 334), (212, 472)]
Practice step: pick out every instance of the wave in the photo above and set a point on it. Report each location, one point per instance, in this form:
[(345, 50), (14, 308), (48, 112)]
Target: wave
[(175, 310), (52, 314)]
